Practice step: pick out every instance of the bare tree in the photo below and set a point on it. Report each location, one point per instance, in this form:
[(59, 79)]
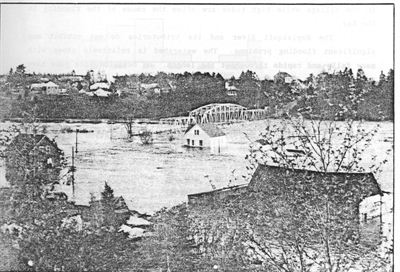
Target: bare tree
[(146, 137), (129, 121), (325, 147)]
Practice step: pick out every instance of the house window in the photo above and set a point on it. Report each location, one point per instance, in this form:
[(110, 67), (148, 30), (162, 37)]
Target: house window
[(192, 142), (365, 217), (49, 162), (188, 141), (200, 142), (196, 132), (48, 149)]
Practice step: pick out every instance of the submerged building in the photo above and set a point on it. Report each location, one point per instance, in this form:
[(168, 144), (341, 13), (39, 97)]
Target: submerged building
[(205, 135)]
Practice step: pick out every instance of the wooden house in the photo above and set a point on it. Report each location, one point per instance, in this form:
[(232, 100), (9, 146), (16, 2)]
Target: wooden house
[(49, 88), (353, 197), (231, 89), (33, 155), (215, 195), (205, 135), (150, 88)]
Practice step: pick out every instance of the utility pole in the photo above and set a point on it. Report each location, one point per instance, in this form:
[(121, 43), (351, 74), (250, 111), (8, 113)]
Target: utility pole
[(73, 173), (76, 140)]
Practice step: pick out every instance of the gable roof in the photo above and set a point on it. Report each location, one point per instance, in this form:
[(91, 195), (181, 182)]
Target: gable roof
[(99, 85), (324, 182), (46, 84), (216, 191), (102, 93), (210, 129), (29, 142)]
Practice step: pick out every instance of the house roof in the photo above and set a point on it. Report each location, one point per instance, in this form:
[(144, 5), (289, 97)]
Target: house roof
[(230, 86), (148, 86), (40, 85), (137, 221), (101, 93), (51, 84), (99, 85), (210, 129), (364, 184), (231, 188), (29, 141)]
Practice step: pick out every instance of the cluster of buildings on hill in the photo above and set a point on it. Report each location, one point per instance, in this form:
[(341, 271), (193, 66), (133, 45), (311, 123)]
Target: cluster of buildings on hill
[(97, 85)]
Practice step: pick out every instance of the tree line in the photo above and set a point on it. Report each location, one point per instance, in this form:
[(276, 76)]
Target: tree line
[(317, 96)]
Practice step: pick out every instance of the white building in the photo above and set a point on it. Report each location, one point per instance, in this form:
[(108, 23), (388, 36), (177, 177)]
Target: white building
[(205, 135), (376, 219), (150, 88), (100, 89), (99, 85), (231, 90), (46, 88)]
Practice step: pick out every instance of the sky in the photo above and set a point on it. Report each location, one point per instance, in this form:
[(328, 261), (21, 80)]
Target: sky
[(126, 39)]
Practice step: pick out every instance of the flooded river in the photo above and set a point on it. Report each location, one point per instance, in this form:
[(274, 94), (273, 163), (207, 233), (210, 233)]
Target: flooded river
[(162, 174)]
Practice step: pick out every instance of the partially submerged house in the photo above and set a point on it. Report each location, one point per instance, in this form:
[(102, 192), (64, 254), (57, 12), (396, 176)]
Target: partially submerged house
[(356, 195), (205, 135), (31, 155)]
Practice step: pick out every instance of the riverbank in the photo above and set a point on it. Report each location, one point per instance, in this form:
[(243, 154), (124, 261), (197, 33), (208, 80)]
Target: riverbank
[(83, 121)]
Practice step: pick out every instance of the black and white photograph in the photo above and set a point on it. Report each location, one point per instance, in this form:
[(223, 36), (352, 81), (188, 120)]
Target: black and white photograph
[(184, 136)]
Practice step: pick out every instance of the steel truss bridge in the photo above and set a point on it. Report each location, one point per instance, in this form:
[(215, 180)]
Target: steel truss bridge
[(216, 113)]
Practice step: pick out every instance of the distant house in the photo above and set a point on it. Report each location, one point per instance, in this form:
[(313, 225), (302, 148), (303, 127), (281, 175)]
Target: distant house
[(283, 78), (101, 93), (205, 135), (99, 85), (30, 154), (231, 89), (150, 88), (46, 88), (100, 89), (71, 79)]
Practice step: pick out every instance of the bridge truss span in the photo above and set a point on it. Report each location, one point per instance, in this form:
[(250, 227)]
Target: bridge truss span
[(217, 113)]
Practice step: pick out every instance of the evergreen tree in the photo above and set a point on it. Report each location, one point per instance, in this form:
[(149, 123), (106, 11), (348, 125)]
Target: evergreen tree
[(108, 206), (108, 193)]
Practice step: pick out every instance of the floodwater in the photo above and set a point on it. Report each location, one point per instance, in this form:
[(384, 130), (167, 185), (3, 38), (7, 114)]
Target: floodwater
[(163, 173)]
